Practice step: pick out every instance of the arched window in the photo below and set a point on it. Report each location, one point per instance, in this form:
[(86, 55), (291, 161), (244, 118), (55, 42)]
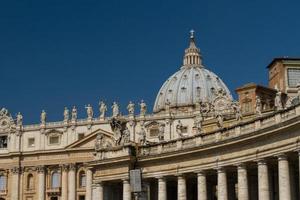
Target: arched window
[(82, 179), (55, 180), (30, 182), (2, 182)]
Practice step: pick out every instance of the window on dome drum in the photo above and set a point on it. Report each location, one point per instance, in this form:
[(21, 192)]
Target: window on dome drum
[(80, 136), (82, 179), (293, 75), (55, 180), (30, 182), (154, 132), (3, 142), (31, 142), (184, 129), (54, 139), (2, 182)]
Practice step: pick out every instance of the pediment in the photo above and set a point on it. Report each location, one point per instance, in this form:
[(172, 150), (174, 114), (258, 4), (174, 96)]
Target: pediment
[(90, 140)]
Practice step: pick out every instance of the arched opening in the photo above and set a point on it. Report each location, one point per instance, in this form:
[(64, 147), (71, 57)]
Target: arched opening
[(30, 182), (82, 179), (55, 180)]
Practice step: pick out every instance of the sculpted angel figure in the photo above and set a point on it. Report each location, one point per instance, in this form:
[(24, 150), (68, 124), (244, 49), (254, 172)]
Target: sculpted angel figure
[(237, 110), (143, 140), (89, 111), (143, 109), (3, 112), (220, 118), (130, 108), (74, 113), (126, 136), (115, 109), (102, 109), (66, 114), (43, 117)]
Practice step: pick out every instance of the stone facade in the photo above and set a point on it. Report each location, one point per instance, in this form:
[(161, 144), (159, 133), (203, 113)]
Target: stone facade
[(203, 150)]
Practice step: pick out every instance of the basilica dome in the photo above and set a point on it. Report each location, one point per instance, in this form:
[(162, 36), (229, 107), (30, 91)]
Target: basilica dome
[(191, 84)]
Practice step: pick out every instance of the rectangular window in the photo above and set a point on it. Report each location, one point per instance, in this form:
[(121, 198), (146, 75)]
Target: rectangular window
[(80, 136), (184, 129), (3, 142), (31, 142), (154, 132), (293, 77), (54, 140)]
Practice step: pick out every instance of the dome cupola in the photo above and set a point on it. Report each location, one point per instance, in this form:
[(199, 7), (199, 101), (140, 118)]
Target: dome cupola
[(192, 84)]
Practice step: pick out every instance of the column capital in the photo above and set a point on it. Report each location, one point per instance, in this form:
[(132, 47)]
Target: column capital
[(40, 169), (160, 178), (125, 180), (64, 167), (241, 166), (180, 175), (261, 161), (221, 169), (72, 167), (15, 170), (200, 172), (282, 156)]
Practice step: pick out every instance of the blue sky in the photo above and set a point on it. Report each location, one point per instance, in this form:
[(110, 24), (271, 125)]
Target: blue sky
[(63, 53)]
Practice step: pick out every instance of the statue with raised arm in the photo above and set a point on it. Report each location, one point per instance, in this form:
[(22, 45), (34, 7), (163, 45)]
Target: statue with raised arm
[(89, 111), (74, 113), (43, 117), (143, 108), (19, 119), (130, 108), (102, 109), (115, 109), (66, 114)]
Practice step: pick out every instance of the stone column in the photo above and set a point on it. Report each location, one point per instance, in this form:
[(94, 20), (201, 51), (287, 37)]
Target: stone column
[(263, 181), (41, 182), (89, 181), (72, 182), (64, 182), (162, 188), (243, 189), (181, 188), (222, 184), (14, 193), (202, 188), (98, 192), (126, 190), (284, 178)]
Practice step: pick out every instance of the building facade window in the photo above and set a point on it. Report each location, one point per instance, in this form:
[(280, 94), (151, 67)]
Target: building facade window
[(3, 142), (2, 182), (293, 75), (31, 142), (30, 182), (54, 139), (82, 179), (55, 180), (80, 136)]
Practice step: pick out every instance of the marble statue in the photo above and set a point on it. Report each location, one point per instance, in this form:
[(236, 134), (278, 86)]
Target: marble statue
[(143, 140), (89, 111), (74, 114), (220, 118), (19, 119), (102, 109), (179, 128), (66, 114), (161, 132), (130, 108), (3, 112), (258, 106), (115, 109), (278, 101), (43, 117), (143, 108), (126, 136), (237, 110)]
